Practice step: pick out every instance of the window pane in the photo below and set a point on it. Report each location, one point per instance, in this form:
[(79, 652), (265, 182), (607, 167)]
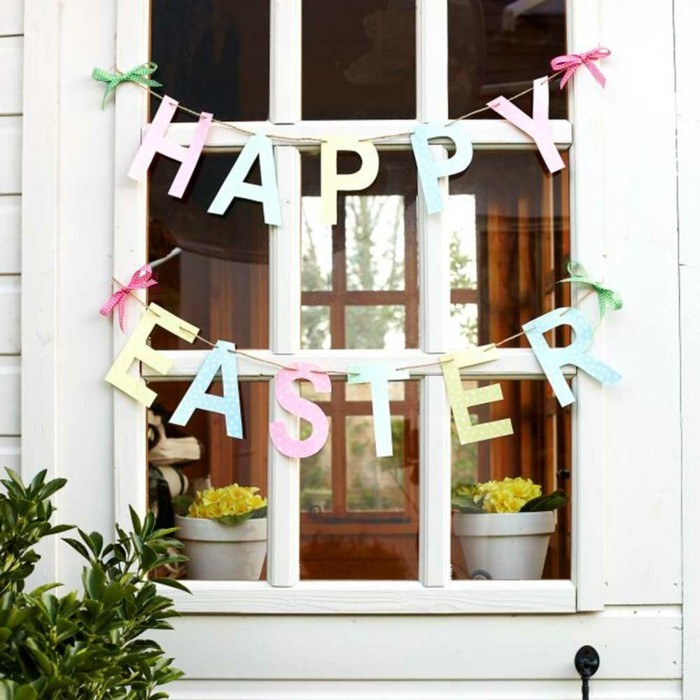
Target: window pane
[(540, 450), (359, 59), (510, 243), (381, 327), (364, 269), (315, 328), (374, 239), (200, 455), (374, 484), (464, 326), (360, 512), (213, 56), (220, 280), (496, 48)]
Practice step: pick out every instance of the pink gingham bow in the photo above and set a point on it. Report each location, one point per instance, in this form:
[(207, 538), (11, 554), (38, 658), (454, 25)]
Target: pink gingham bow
[(570, 62), (141, 279)]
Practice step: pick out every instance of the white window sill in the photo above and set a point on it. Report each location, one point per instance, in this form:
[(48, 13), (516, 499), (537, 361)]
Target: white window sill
[(375, 597)]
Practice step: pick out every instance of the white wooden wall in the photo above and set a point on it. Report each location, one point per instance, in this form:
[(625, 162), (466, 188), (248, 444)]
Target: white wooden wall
[(319, 657), (11, 50)]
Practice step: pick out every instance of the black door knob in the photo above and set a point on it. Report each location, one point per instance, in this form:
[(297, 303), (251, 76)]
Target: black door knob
[(587, 662)]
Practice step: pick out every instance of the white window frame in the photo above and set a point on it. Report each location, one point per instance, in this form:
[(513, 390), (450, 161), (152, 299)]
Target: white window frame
[(434, 592)]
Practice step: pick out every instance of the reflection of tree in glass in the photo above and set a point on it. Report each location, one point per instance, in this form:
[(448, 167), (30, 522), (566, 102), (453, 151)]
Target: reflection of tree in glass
[(374, 483), (460, 279), (316, 489), (464, 458), (374, 226), (315, 328)]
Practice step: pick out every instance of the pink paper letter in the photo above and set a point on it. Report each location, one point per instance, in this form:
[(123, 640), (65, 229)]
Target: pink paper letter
[(301, 407), (155, 142), (537, 127)]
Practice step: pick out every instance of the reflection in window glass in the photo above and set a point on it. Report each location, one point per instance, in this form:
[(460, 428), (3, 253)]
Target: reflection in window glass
[(360, 512), (374, 230), (463, 329), (540, 450), (213, 55), (374, 484), (364, 270), (220, 280), (315, 328), (358, 59), (316, 484), (381, 327), (316, 248), (510, 241), (497, 47)]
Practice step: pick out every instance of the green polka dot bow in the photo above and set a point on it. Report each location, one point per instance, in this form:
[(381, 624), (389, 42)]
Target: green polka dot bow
[(135, 75), (607, 298)]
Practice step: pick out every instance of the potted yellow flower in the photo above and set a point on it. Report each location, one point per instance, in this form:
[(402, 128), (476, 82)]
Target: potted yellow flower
[(504, 527), (224, 533)]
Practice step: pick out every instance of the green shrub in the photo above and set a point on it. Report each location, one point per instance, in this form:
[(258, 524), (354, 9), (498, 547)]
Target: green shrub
[(88, 645)]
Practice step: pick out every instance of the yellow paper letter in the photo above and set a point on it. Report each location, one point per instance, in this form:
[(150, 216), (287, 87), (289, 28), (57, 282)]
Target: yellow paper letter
[(136, 348), (332, 182), (461, 401)]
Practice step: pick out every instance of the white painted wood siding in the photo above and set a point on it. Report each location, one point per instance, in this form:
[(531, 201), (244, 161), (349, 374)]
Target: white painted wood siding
[(11, 55)]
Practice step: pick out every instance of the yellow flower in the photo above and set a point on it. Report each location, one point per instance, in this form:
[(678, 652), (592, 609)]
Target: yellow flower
[(508, 495), (228, 500)]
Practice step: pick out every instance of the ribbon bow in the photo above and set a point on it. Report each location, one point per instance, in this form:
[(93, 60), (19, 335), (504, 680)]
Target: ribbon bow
[(135, 75), (570, 62), (607, 298), (141, 279)]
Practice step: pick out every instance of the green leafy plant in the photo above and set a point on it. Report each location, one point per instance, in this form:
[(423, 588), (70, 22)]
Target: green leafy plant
[(505, 496), (88, 645)]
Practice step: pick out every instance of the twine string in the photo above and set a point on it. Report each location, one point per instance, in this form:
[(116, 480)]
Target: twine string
[(339, 372)]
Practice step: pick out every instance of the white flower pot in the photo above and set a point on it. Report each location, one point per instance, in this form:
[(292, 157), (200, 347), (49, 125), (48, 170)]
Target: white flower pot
[(505, 546), (220, 552)]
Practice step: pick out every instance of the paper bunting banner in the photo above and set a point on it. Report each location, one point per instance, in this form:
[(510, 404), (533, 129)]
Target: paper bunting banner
[(155, 141), (429, 171), (461, 401), (137, 348), (332, 182), (221, 358), (553, 359), (256, 147), (290, 401), (378, 377), (537, 126)]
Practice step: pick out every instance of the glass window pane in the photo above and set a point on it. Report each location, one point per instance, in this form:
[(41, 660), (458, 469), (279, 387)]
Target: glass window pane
[(200, 455), (510, 242), (315, 328), (358, 59), (539, 450), (464, 326), (374, 484), (374, 239), (220, 280), (213, 56), (380, 327), (364, 269), (316, 248), (498, 47), (360, 512)]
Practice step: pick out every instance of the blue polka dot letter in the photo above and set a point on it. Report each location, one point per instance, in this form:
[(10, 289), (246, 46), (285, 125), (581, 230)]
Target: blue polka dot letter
[(553, 359), (222, 357)]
